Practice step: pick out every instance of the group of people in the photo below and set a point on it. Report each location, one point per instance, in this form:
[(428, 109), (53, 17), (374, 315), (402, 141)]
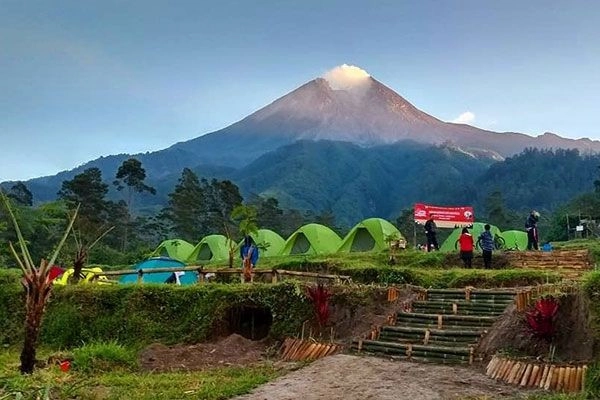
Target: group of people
[(485, 241)]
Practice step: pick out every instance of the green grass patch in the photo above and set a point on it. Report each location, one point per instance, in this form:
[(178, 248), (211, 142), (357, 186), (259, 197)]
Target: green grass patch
[(104, 357), (51, 383)]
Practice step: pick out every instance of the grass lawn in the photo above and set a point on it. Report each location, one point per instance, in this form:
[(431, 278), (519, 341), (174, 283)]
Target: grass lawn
[(51, 383)]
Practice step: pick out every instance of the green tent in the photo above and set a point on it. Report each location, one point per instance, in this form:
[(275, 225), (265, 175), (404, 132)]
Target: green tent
[(477, 229), (210, 248), (369, 235), (514, 240), (267, 236), (177, 249), (312, 239)]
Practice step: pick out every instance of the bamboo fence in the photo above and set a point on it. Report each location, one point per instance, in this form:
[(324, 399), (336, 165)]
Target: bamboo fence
[(275, 274), (570, 263), (295, 349), (568, 378)]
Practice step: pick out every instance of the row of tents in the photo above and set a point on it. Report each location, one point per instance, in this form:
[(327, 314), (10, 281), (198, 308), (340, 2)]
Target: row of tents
[(370, 235)]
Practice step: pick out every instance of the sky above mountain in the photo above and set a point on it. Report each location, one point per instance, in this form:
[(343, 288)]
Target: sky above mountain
[(83, 79)]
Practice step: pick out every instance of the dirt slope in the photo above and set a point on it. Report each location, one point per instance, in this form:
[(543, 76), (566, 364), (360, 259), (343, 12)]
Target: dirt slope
[(350, 377)]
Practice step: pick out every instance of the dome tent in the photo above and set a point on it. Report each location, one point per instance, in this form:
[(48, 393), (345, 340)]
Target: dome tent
[(267, 236), (187, 278), (210, 248), (312, 239), (476, 230), (369, 235), (515, 240), (177, 249)]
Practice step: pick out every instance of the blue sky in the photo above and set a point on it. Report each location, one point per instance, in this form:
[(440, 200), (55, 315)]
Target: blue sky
[(82, 79)]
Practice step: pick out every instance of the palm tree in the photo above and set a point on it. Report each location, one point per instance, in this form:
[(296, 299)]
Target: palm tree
[(38, 287)]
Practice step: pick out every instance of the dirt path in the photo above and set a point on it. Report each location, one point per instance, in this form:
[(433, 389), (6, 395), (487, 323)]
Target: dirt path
[(350, 377)]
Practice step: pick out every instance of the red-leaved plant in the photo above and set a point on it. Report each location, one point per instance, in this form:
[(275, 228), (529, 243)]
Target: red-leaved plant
[(319, 295), (542, 316)]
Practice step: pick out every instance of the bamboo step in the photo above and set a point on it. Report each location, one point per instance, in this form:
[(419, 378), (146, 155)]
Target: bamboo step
[(435, 332), (458, 307), (430, 353), (436, 341)]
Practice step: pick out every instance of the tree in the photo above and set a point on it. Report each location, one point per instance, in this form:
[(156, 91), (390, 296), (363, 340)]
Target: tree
[(221, 197), (186, 208), (496, 211), (37, 288), (20, 194), (132, 175), (88, 190)]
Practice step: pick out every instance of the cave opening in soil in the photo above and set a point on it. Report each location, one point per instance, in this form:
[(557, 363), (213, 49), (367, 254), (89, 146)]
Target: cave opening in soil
[(251, 322)]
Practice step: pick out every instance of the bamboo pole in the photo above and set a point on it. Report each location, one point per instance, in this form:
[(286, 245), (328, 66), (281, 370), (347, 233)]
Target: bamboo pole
[(534, 375), (490, 365), (506, 371), (550, 378), (526, 375), (557, 384), (544, 374), (513, 372), (578, 376), (498, 368)]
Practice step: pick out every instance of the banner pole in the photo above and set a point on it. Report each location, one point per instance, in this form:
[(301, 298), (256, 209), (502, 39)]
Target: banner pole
[(414, 235)]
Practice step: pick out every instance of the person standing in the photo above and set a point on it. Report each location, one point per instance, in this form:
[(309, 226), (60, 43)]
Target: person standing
[(465, 242), (249, 255), (486, 242), (532, 230), (431, 233)]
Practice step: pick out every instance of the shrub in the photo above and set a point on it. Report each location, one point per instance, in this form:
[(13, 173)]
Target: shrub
[(104, 357)]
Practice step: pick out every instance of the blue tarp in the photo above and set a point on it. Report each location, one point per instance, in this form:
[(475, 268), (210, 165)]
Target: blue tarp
[(190, 277)]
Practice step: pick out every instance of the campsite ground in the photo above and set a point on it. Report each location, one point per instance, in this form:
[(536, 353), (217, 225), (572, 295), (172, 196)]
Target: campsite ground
[(351, 377)]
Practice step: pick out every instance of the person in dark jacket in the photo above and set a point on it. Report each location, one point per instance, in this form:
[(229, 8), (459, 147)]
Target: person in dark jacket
[(532, 230), (249, 251), (486, 242), (465, 242), (431, 234)]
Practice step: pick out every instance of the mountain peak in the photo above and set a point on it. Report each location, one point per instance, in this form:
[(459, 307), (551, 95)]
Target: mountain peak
[(347, 77)]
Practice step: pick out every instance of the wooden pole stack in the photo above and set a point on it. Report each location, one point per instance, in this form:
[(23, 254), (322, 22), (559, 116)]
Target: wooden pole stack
[(295, 349), (562, 378)]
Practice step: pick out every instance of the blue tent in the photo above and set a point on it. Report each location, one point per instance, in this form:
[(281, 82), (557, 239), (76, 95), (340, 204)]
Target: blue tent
[(188, 278)]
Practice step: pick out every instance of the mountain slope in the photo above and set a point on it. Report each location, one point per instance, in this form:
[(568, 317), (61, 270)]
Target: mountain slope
[(356, 182)]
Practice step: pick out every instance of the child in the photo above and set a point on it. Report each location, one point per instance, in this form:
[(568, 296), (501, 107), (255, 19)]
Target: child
[(486, 242), (465, 242)]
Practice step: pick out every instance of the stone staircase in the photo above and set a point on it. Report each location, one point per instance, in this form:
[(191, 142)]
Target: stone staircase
[(444, 328)]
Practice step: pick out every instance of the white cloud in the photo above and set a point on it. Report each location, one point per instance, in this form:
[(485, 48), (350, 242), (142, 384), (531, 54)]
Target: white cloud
[(346, 77), (465, 118)]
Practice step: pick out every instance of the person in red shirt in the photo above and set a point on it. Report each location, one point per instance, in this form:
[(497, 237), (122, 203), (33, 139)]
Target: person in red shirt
[(465, 242)]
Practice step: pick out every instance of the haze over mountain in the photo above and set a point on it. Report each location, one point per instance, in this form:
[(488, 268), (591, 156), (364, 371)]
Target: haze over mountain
[(346, 105)]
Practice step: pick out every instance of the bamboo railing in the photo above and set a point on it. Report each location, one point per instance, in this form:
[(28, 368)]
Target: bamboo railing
[(526, 296), (568, 378), (275, 274)]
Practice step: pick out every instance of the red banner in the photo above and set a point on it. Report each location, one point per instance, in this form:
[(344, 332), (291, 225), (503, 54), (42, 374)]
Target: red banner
[(444, 217)]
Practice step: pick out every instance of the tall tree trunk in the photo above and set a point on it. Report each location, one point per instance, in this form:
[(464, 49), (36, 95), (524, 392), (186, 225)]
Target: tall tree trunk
[(35, 306)]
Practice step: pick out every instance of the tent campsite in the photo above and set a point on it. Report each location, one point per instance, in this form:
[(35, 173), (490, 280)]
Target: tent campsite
[(369, 235), (187, 278), (267, 237), (177, 249), (478, 227), (312, 239), (515, 240), (210, 248)]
